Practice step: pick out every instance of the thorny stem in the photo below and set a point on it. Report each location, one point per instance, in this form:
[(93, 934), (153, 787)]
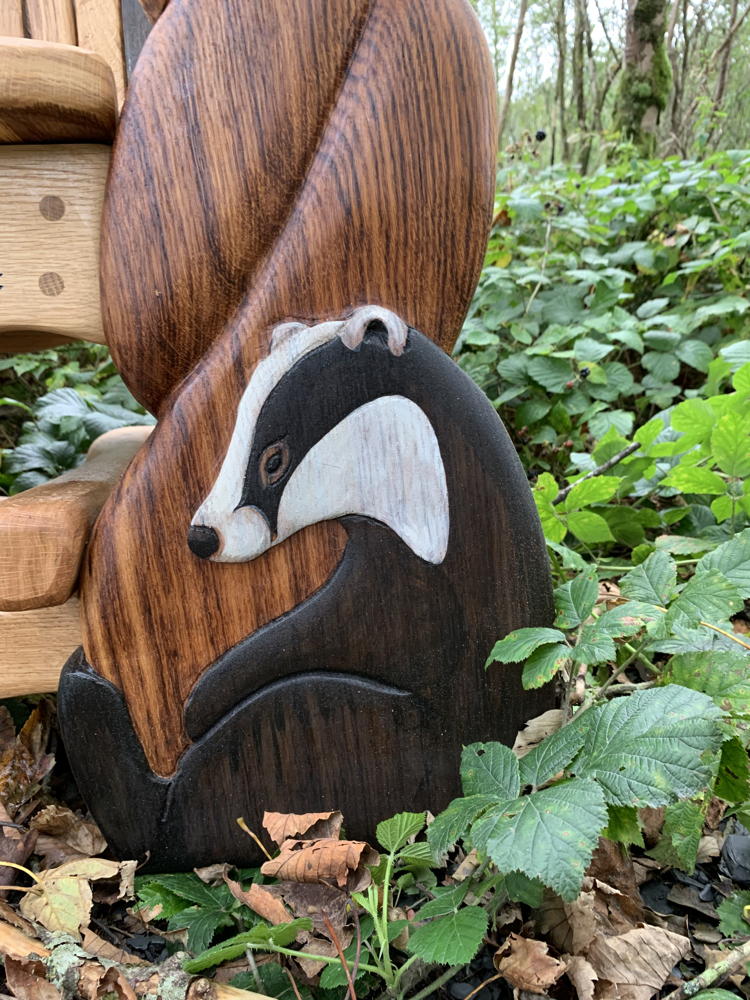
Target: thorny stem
[(604, 467), (434, 986), (542, 268), (269, 946), (385, 950)]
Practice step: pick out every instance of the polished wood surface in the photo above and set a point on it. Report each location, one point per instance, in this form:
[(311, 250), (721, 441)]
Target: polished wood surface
[(267, 199), (54, 93), (44, 531), (51, 20), (99, 27), (50, 203), (34, 646)]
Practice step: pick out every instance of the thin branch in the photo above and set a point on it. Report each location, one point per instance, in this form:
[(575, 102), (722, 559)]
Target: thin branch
[(604, 467), (342, 958), (713, 974)]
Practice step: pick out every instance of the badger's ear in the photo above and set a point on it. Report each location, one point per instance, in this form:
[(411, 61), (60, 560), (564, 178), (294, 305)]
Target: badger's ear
[(353, 330), (283, 332)]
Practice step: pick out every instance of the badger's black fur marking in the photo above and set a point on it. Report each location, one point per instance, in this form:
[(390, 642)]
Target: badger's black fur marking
[(361, 697)]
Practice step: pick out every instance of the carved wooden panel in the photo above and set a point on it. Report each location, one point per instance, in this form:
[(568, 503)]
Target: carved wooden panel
[(362, 695)]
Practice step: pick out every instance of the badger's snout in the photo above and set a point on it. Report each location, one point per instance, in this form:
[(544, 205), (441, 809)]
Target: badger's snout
[(203, 540)]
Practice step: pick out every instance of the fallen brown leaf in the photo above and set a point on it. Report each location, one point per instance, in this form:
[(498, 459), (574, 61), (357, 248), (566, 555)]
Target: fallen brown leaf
[(213, 874), (15, 944), (23, 762), (263, 900), (652, 822), (97, 947), (9, 914), (582, 975), (344, 862), (16, 847), (302, 826), (95, 982), (526, 964), (27, 980), (638, 963), (612, 865), (571, 927), (319, 903), (65, 836), (536, 730), (62, 898)]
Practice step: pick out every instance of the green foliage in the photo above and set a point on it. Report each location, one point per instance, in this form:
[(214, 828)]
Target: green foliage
[(733, 921)]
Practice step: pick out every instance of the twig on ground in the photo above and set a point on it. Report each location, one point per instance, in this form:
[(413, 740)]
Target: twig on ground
[(340, 952), (604, 467), (478, 989), (293, 981), (713, 974)]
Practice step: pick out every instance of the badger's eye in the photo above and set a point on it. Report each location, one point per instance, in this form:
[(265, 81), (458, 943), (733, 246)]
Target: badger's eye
[(273, 463)]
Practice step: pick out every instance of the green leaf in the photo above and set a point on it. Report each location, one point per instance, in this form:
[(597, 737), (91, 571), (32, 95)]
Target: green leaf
[(551, 373), (598, 489), (575, 600), (393, 833), (201, 925), (589, 527), (680, 836), (153, 895), (690, 479), (653, 581), (695, 353), (730, 445), (732, 559), (282, 935), (452, 824), (543, 664), (695, 418), (733, 780), (723, 675), (593, 646), (445, 901), (550, 834), (453, 939), (647, 749), (731, 911), (520, 643), (550, 756), (190, 887), (489, 769), (709, 597), (623, 826), (626, 619)]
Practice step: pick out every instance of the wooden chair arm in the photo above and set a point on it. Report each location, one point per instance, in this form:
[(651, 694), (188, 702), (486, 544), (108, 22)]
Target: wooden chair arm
[(34, 646), (54, 93), (43, 532)]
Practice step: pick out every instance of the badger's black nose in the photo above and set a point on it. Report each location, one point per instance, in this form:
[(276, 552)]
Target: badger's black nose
[(203, 541)]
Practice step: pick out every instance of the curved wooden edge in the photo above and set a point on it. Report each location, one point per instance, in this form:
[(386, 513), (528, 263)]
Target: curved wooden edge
[(154, 8), (99, 26), (44, 531), (34, 646), (54, 93)]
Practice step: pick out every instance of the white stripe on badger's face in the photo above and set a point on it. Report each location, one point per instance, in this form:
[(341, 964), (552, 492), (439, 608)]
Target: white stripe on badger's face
[(381, 461)]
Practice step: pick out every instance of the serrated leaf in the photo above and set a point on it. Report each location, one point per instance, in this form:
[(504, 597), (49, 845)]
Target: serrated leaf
[(588, 527), (722, 675), (261, 934), (416, 855), (732, 559), (623, 826), (646, 749), (690, 479), (543, 664), (520, 643), (653, 581), (151, 896), (452, 824), (598, 489), (451, 940), (574, 600), (733, 779), (730, 444), (189, 886), (550, 756), (593, 646), (393, 833), (626, 619), (201, 925), (680, 836), (709, 597), (549, 835), (489, 769), (445, 901), (731, 911)]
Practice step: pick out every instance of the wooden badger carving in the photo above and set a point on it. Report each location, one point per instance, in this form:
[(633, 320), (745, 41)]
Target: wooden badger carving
[(362, 696)]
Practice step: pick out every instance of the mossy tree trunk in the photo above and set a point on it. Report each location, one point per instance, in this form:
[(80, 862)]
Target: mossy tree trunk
[(647, 75)]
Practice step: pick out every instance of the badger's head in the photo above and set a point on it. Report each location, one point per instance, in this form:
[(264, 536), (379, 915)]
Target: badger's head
[(321, 434)]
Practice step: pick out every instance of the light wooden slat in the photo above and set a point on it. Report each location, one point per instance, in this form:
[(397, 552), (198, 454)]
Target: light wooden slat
[(52, 21), (54, 93), (50, 205), (34, 646), (11, 18), (100, 28), (43, 532)]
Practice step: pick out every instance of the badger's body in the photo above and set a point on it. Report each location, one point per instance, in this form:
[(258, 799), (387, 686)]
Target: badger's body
[(361, 697)]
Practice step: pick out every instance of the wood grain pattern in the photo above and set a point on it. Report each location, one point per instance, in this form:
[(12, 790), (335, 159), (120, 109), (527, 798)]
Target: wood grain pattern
[(154, 8), (54, 93), (34, 646), (287, 201), (361, 697), (44, 531), (11, 18), (99, 26), (135, 29), (51, 21), (50, 203)]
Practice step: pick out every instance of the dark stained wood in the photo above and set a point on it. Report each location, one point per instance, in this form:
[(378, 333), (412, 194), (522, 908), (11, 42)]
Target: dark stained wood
[(361, 697), (279, 159)]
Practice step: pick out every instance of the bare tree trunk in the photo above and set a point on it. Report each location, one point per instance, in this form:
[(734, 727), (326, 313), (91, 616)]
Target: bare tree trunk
[(505, 106), (561, 38), (647, 76), (721, 83)]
